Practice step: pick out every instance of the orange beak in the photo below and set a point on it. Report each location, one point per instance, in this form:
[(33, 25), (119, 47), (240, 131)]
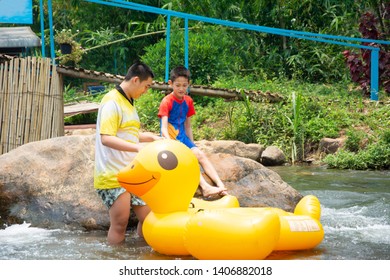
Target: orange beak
[(136, 179)]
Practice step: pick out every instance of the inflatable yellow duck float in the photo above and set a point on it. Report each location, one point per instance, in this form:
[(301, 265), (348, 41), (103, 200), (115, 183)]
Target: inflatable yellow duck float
[(165, 174)]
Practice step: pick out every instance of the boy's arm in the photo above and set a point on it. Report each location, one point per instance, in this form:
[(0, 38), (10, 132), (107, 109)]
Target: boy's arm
[(164, 127), (148, 137), (119, 144), (188, 128)]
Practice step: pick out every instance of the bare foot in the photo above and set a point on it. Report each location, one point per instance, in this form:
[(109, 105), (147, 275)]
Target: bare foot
[(222, 189), (212, 192), (223, 193)]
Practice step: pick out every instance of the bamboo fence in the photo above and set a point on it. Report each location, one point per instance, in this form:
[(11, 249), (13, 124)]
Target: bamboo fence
[(31, 102)]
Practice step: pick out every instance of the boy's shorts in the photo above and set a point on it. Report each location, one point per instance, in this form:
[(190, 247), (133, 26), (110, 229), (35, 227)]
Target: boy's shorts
[(186, 141), (110, 195)]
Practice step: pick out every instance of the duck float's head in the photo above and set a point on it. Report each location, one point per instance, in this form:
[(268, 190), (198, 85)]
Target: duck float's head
[(165, 174)]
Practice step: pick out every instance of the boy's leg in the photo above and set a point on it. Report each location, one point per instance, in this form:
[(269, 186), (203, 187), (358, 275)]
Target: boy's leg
[(211, 172), (119, 216), (207, 189), (141, 211)]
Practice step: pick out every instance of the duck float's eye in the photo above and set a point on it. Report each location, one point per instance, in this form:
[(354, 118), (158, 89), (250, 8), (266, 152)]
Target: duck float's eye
[(167, 160)]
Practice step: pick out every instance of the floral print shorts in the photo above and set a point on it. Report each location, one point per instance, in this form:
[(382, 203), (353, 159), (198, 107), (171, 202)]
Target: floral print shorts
[(110, 195)]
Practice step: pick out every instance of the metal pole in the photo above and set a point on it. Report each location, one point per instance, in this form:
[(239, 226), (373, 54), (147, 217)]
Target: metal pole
[(43, 44), (374, 74), (52, 52), (186, 43), (167, 47)]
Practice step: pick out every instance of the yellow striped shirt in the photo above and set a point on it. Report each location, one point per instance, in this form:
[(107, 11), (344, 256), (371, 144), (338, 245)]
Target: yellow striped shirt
[(119, 118)]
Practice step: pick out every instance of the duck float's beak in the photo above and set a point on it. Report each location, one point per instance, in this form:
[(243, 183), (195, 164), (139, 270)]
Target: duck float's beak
[(137, 179)]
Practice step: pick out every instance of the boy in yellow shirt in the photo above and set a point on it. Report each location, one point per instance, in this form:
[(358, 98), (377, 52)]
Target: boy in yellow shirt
[(117, 135)]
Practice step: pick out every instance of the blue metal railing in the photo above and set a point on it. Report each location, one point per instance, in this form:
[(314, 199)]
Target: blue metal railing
[(168, 43), (42, 18), (324, 38)]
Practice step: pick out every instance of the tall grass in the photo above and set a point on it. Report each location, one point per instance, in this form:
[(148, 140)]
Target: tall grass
[(297, 139)]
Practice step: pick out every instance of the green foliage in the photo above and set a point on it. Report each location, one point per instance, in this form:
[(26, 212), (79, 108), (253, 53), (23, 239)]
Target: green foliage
[(81, 119), (258, 123), (102, 24), (147, 107), (325, 119), (317, 63), (354, 139), (386, 137), (66, 36), (217, 52), (318, 128), (73, 94), (378, 117), (297, 141), (209, 121), (211, 54), (281, 125), (345, 160), (279, 56), (376, 156), (70, 93)]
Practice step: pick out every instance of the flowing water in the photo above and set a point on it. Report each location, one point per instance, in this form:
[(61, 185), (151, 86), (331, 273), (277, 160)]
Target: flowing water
[(355, 211), (355, 217)]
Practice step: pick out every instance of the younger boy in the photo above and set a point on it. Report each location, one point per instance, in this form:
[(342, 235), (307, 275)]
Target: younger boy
[(117, 135), (176, 110)]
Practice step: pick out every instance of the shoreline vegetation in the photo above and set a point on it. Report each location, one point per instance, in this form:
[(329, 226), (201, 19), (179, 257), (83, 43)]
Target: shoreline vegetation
[(309, 113)]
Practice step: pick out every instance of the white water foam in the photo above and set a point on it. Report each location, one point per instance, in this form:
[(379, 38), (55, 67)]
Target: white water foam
[(23, 234), (356, 224)]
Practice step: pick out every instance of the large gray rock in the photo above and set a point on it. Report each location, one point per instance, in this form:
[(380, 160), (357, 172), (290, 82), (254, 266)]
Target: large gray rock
[(253, 184), (49, 184), (329, 145), (272, 156), (236, 148)]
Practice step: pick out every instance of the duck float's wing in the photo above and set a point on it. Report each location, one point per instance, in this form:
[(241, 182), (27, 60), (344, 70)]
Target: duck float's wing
[(164, 232), (232, 234)]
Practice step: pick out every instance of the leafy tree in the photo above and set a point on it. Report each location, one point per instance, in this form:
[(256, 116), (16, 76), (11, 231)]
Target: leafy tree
[(211, 53), (108, 33), (99, 25), (360, 65)]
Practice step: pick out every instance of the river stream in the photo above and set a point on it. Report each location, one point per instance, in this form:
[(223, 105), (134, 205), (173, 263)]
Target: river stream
[(355, 217)]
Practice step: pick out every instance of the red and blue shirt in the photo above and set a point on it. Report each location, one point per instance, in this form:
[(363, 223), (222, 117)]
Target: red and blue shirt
[(177, 111)]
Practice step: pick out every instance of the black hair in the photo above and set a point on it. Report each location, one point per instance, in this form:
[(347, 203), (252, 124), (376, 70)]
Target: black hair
[(179, 71), (141, 70)]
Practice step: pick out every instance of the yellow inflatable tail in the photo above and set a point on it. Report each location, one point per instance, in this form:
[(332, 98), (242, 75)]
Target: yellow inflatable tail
[(309, 206)]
